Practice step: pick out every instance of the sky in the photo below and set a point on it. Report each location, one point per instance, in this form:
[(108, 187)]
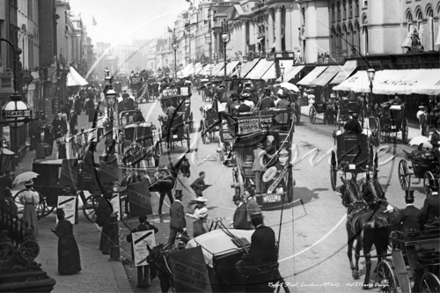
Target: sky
[(120, 21)]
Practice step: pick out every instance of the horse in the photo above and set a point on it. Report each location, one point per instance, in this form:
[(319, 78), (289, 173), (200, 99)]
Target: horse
[(159, 265), (364, 225)]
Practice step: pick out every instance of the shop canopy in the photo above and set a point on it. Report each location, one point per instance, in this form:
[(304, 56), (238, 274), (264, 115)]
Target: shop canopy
[(75, 79), (348, 68), (312, 75), (230, 67), (205, 70), (325, 77), (188, 70), (198, 67), (260, 69), (290, 72), (390, 82), (272, 72), (217, 68), (246, 67)]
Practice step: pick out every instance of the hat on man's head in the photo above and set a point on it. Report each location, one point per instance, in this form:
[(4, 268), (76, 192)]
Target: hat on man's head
[(355, 114), (178, 193), (256, 216), (201, 199), (29, 183), (421, 107), (236, 197), (409, 195)]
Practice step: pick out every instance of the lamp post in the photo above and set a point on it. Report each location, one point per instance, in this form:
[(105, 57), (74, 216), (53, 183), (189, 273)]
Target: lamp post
[(225, 39), (239, 70), (15, 113), (175, 46), (371, 72), (282, 72)]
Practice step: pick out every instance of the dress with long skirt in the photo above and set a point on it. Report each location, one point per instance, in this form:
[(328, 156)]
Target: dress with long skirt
[(69, 262), (103, 220), (29, 199)]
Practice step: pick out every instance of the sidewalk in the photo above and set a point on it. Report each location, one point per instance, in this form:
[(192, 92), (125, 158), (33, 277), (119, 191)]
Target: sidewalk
[(413, 130)]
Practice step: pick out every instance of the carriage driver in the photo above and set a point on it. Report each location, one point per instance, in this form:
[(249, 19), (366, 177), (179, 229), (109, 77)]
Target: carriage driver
[(353, 124)]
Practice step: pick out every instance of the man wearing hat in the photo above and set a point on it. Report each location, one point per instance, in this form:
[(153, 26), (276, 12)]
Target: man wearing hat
[(353, 125), (177, 217), (260, 265), (240, 219), (30, 198), (430, 213), (409, 217), (422, 117), (266, 101), (200, 215)]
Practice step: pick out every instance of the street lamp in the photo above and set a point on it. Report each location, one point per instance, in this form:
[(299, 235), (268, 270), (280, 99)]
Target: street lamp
[(225, 39), (239, 70), (371, 72), (175, 46), (282, 72)]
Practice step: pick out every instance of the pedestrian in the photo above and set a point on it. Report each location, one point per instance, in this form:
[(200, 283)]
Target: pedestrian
[(199, 184), (266, 101), (200, 216), (260, 265), (240, 220), (103, 213), (73, 122), (431, 210), (258, 165), (409, 217), (40, 147), (34, 131), (177, 217), (421, 116), (90, 107), (162, 198), (30, 198), (143, 271), (9, 202), (69, 261)]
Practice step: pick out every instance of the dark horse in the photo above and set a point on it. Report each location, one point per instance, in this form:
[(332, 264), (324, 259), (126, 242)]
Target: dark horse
[(158, 260), (366, 226)]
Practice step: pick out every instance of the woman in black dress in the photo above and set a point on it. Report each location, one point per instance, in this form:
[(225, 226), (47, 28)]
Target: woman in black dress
[(69, 262)]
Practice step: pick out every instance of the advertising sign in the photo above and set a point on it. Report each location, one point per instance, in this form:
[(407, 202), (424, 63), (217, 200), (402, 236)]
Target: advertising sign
[(170, 92), (248, 125), (140, 241), (190, 273), (116, 204), (140, 199), (68, 204)]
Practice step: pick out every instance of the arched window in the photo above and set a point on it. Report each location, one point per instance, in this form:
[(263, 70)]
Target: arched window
[(409, 19), (344, 40), (350, 39), (333, 38), (357, 36), (430, 28), (338, 41), (366, 45)]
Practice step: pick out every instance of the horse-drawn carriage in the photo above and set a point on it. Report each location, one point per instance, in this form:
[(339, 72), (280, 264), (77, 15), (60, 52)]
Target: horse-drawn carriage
[(389, 121), (209, 126), (347, 105), (263, 138), (177, 126), (415, 263), (424, 165), (354, 154)]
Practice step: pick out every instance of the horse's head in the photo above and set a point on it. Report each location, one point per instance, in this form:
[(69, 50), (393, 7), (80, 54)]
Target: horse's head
[(373, 193), (350, 192), (157, 259)]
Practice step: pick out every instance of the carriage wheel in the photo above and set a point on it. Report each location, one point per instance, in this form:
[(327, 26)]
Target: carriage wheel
[(429, 283), (404, 131), (312, 115), (428, 180), (386, 278), (41, 209), (333, 171), (404, 176), (89, 208)]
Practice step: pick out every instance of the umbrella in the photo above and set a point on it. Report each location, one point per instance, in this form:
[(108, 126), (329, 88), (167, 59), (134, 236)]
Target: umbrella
[(25, 176), (289, 86), (421, 140)]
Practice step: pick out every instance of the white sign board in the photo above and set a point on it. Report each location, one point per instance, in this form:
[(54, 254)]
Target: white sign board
[(116, 204), (140, 241), (184, 91), (68, 204)]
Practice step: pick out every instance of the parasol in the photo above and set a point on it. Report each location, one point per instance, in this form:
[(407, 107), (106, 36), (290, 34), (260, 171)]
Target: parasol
[(416, 141), (23, 177), (289, 86)]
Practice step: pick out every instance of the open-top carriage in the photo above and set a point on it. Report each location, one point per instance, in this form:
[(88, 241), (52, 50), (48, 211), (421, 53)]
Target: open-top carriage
[(178, 126), (391, 121), (425, 165), (415, 263), (354, 154), (263, 138)]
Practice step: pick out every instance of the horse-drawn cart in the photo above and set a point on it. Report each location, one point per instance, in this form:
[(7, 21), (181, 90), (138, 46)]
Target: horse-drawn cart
[(392, 120)]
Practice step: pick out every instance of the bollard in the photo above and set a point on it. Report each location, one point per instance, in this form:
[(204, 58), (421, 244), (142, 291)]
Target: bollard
[(114, 237)]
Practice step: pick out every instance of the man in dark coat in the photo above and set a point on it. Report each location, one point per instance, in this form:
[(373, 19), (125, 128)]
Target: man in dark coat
[(353, 124), (143, 271), (431, 210), (266, 101), (199, 184), (409, 216), (435, 137), (103, 213), (177, 217), (243, 107), (260, 265), (240, 220)]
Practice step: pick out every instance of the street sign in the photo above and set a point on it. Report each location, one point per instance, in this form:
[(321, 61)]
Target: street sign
[(140, 242), (17, 113)]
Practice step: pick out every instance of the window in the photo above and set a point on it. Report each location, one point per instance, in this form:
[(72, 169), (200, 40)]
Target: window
[(333, 13), (339, 10), (430, 33), (303, 13), (365, 3), (350, 8), (356, 9), (344, 9), (409, 20)]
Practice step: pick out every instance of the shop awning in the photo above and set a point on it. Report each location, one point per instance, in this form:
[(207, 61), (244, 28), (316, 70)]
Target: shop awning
[(205, 70), (348, 68), (188, 70), (290, 72), (198, 67), (230, 67), (272, 72), (75, 79), (260, 69), (312, 75), (246, 67), (217, 68), (428, 82), (325, 77), (358, 83)]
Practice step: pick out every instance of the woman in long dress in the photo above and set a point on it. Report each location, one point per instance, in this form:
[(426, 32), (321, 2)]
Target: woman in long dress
[(200, 216), (29, 199), (69, 262)]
